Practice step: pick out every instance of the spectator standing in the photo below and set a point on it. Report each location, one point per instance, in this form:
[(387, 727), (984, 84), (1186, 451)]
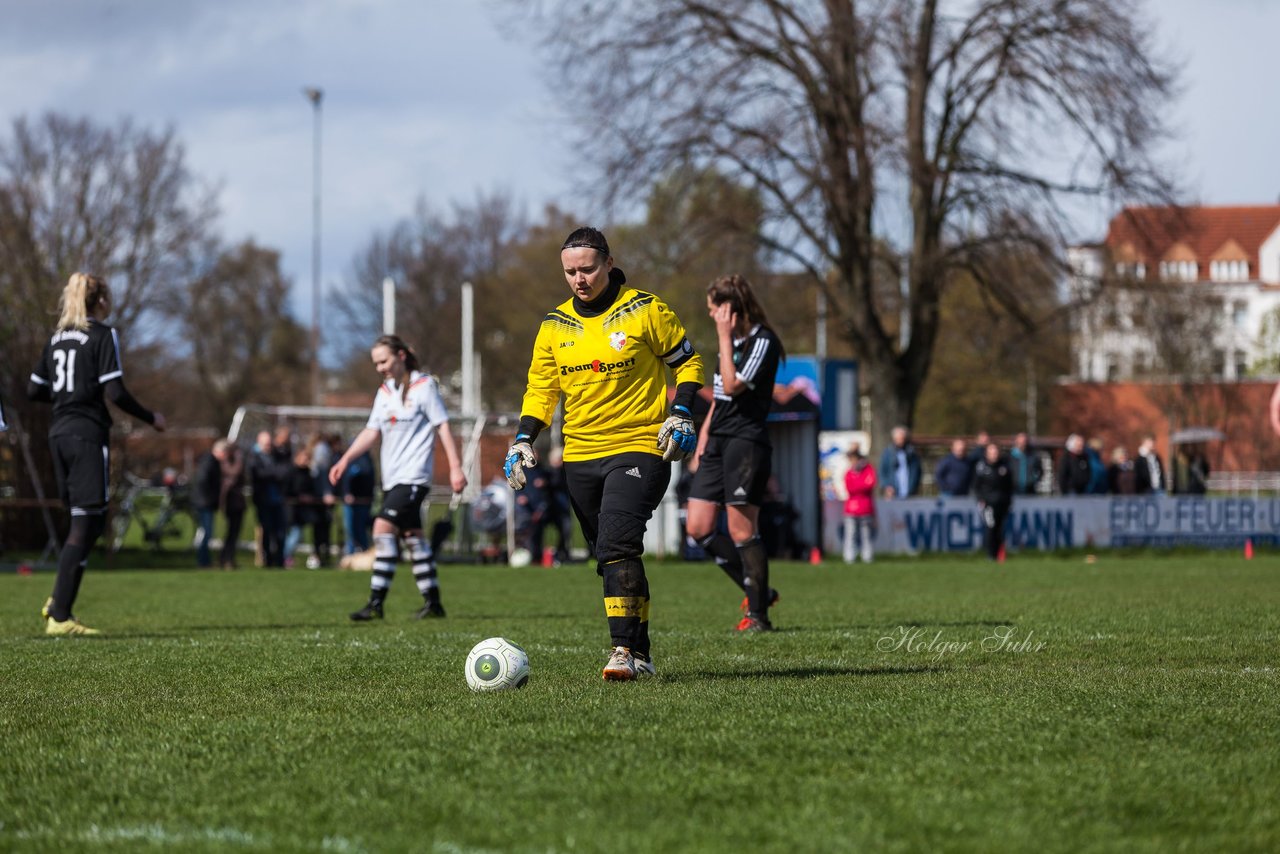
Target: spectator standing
[(320, 449), (954, 472), (859, 508), (231, 498), (557, 516), (1150, 468), (978, 448), (531, 509), (1073, 467), (1025, 465), (302, 500), (282, 443), (356, 486), (267, 479), (900, 466), (1097, 467), (778, 522), (993, 487), (1122, 474), (206, 495), (1191, 471)]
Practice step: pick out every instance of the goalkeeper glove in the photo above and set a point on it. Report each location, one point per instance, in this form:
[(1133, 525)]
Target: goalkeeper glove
[(519, 457), (677, 438)]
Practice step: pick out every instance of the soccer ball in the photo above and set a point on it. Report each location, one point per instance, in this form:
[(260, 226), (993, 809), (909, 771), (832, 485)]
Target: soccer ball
[(496, 664)]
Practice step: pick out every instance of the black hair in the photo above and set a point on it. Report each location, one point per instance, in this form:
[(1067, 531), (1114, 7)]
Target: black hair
[(587, 237)]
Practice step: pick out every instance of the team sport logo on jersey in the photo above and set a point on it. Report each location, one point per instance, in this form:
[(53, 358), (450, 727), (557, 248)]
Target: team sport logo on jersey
[(617, 340), (597, 366)]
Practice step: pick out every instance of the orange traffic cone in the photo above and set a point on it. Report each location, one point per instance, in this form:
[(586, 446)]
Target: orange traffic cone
[(548, 556), (1248, 549), (815, 556), (1000, 555)]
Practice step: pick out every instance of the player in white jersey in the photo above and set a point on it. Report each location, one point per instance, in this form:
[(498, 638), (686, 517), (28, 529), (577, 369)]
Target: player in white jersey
[(409, 416)]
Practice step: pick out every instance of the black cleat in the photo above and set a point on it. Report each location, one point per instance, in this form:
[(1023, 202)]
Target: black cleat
[(431, 609), (372, 611)]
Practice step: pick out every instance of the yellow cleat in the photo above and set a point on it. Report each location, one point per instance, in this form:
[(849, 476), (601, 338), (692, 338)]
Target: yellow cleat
[(48, 603), (69, 628)]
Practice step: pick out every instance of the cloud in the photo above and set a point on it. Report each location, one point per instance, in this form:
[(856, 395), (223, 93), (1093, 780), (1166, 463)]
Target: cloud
[(421, 99)]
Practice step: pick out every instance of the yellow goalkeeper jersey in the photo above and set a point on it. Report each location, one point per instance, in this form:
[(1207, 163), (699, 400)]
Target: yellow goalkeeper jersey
[(611, 369)]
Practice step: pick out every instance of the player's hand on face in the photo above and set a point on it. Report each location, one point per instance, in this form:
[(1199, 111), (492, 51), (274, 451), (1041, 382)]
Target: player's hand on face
[(725, 317), (158, 424)]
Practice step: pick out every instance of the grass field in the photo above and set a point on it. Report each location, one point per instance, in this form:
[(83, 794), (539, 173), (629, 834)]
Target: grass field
[(944, 704)]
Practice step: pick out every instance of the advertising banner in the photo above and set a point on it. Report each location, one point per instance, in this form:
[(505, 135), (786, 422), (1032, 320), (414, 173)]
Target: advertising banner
[(919, 525)]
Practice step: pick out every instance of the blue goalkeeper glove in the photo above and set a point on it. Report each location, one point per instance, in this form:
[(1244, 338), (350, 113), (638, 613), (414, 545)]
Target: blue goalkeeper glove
[(520, 456), (677, 438)]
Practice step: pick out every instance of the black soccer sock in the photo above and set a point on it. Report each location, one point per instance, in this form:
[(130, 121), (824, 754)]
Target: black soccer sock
[(755, 572), (71, 564), (720, 547), (626, 604)]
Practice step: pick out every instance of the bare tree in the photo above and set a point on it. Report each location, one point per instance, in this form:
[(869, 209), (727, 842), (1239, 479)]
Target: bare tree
[(429, 256), (945, 131), (117, 201), (245, 347)]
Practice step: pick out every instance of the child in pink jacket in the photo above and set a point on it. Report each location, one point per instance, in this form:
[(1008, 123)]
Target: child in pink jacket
[(859, 507)]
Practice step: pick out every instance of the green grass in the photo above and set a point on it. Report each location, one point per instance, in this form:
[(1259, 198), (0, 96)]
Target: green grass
[(241, 711)]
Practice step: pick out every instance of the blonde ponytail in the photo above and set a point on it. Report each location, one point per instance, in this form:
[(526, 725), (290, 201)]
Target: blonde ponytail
[(80, 298)]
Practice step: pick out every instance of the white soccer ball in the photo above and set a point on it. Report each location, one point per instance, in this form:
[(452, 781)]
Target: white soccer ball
[(496, 664), (521, 557)]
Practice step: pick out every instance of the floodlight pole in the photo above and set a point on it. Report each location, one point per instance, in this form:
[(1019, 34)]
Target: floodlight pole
[(316, 97), (470, 404), (388, 306)]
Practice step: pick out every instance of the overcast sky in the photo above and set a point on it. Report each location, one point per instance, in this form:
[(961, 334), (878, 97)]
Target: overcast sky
[(429, 99)]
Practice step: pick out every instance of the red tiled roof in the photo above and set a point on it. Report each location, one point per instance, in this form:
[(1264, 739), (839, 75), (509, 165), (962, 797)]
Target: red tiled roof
[(1153, 231)]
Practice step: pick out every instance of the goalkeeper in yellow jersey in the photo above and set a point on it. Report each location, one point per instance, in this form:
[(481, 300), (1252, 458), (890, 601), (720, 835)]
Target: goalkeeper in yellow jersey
[(606, 351)]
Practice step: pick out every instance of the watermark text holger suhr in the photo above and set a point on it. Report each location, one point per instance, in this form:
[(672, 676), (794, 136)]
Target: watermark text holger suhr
[(919, 641)]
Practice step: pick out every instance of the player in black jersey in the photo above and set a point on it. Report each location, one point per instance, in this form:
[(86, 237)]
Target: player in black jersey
[(78, 372), (734, 456)]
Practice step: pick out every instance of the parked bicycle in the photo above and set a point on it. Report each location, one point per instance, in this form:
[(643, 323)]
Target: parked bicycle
[(165, 523)]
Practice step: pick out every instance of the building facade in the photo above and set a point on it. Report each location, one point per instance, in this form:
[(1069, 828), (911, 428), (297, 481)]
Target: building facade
[(1178, 292)]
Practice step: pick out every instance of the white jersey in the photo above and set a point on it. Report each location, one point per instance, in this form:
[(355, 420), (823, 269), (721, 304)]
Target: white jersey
[(408, 429)]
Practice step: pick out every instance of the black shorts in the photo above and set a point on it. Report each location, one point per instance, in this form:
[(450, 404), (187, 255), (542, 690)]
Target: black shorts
[(81, 467), (402, 505), (732, 471), (614, 497)]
